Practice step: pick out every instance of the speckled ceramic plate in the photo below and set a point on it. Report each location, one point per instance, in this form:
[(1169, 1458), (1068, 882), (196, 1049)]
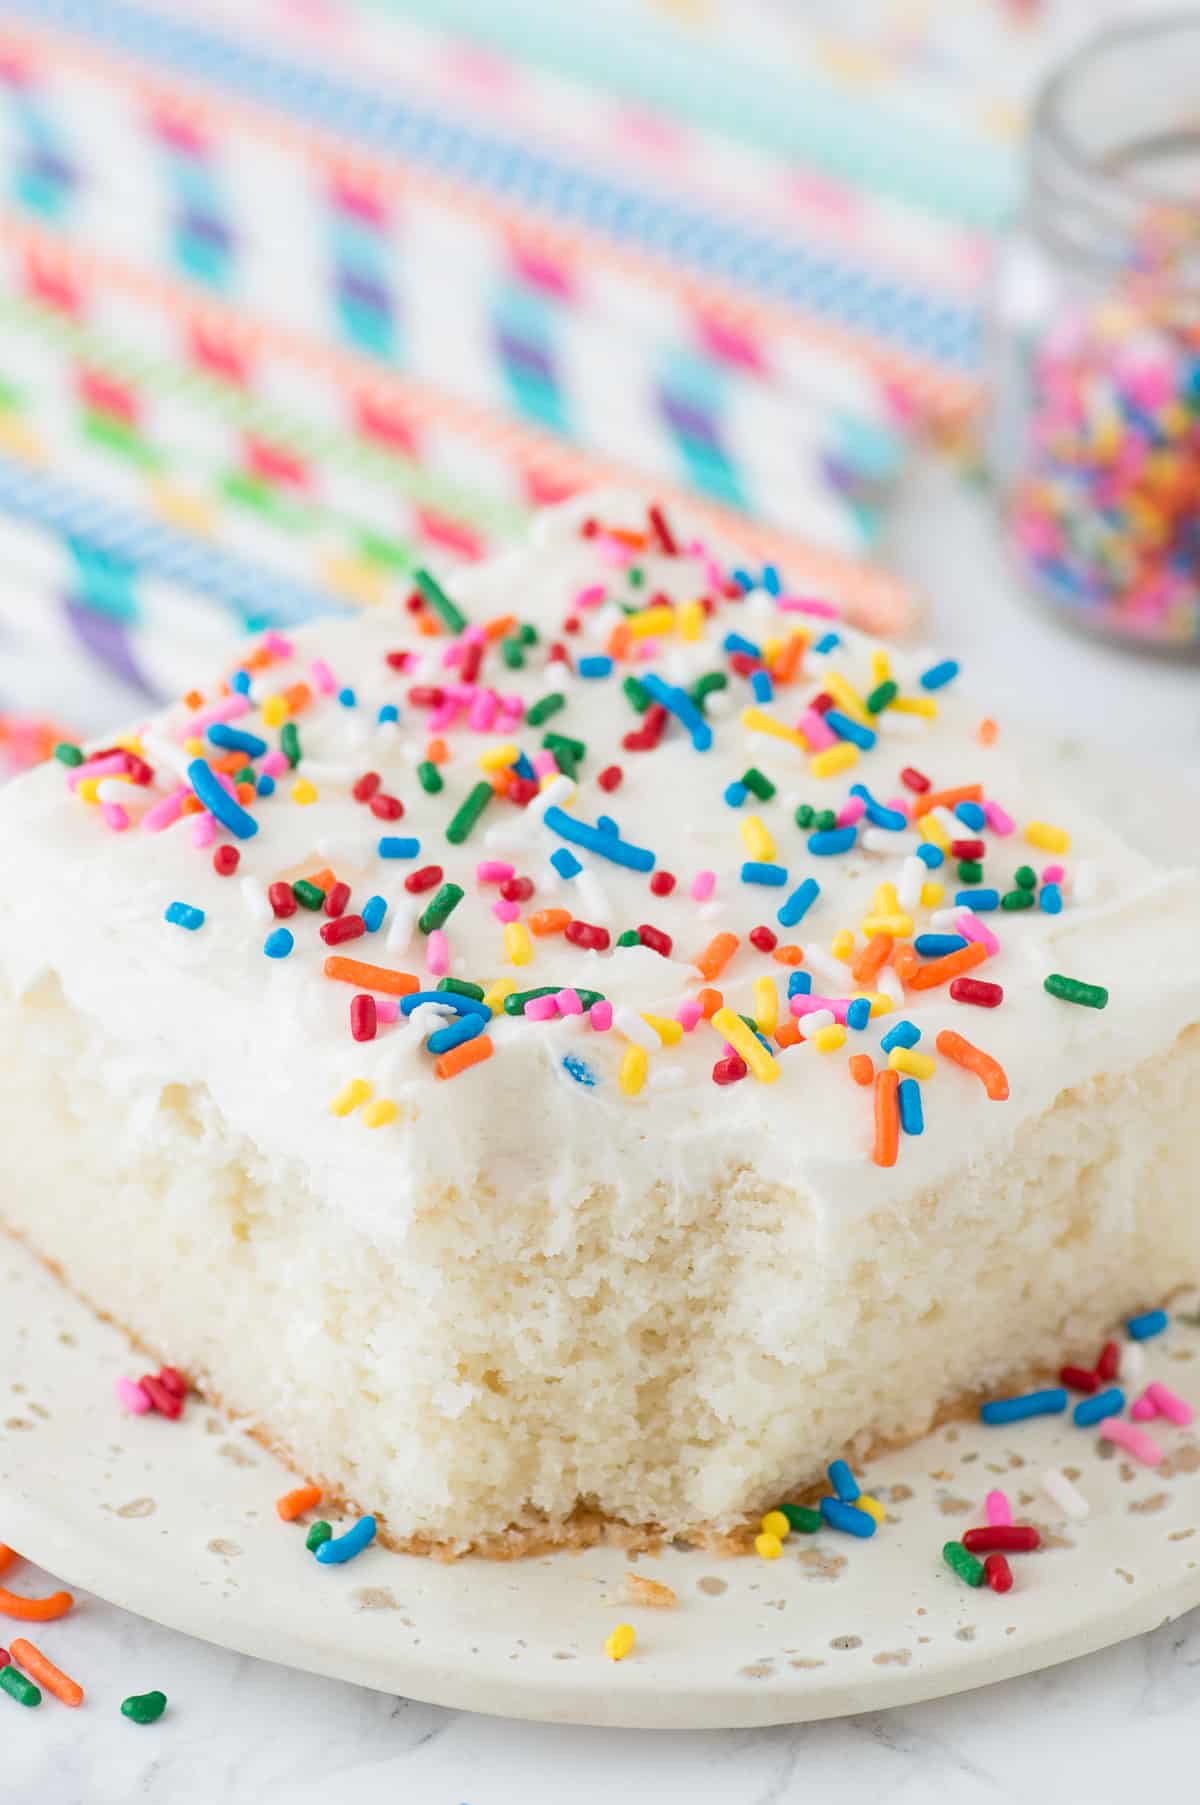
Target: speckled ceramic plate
[(177, 1521)]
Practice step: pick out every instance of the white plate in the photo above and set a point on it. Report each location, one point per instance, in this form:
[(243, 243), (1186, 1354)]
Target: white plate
[(177, 1521)]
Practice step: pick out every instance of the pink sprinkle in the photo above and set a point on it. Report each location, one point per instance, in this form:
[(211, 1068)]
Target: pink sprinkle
[(568, 1003), (647, 650), (999, 820), (323, 677), (387, 1009), (818, 735), (168, 810), (689, 1014), (506, 911), (276, 644), (850, 812), (1143, 1409), (541, 1009), (274, 764), (513, 706), (494, 871), (901, 804), (998, 1509), (131, 1397), (972, 928), (613, 551), (545, 764), (807, 1005), (437, 954), (99, 767), (804, 604), (1173, 1407), (600, 1016), (115, 816), (204, 830), (1134, 1441), (484, 710), (591, 597), (229, 708), (1053, 874), (445, 716), (703, 885)]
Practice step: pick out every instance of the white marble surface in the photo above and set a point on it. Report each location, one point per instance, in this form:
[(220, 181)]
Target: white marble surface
[(247, 1733)]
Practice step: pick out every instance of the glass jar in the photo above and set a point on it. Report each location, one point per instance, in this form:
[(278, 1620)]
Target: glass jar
[(1095, 430)]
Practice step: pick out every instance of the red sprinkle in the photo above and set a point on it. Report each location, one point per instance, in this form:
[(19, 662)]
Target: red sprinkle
[(397, 661), (823, 703), (764, 939), (912, 779), (646, 737), (1079, 1379), (977, 990), (729, 1069), (387, 808), (225, 860), (662, 883), (662, 531), (468, 664), (1009, 1538), (745, 663), (173, 1379), (655, 939), (998, 1573), (582, 933), (967, 849), (557, 653), (1107, 1364), (517, 889), (571, 625), (364, 1017), (281, 900), (426, 695), (522, 790), (424, 879), (346, 927), (336, 898), (366, 786), (610, 777), (164, 1400)]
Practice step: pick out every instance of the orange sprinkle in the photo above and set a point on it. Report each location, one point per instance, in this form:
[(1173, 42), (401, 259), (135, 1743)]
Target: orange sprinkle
[(501, 781), (34, 1610), (294, 1504), (717, 954), (887, 1117), (789, 955), (437, 752), (258, 659), (871, 958), (549, 921), (499, 627), (45, 1672), (324, 879), (786, 662), (861, 1068), (427, 625), (7, 1557), (627, 535), (228, 763), (458, 1059), (904, 961), (297, 696), (950, 965), (372, 977), (193, 699), (986, 731), (988, 1070), (619, 641), (245, 792), (191, 805), (967, 792), (788, 1034), (710, 1001)]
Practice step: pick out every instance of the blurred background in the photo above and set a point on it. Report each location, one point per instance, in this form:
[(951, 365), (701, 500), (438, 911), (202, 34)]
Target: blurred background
[(297, 294)]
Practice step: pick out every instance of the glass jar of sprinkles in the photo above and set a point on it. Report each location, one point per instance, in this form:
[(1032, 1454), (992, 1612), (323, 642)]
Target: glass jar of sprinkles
[(1095, 432)]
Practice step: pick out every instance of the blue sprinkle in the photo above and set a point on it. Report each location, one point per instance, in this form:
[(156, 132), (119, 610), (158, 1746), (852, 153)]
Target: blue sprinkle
[(394, 847), (846, 1517), (934, 946), (798, 903), (733, 642), (265, 785), (743, 579), (565, 863), (680, 704), (219, 802), (912, 1115), (846, 729), (770, 579), (579, 1069), (735, 794), (938, 675), (761, 687), (240, 682), (1030, 1403), (233, 739), (858, 1013), (468, 1027), (597, 666), (523, 768), (754, 872), (606, 825), (843, 1481), (981, 901), (901, 1034), (831, 840), (601, 838), (373, 912), (827, 642), (1093, 1410), (347, 698), (183, 915), (389, 712), (278, 943), (344, 1548), (449, 999), (877, 814), (931, 855), (971, 815), (1050, 899), (799, 984), (1141, 1328)]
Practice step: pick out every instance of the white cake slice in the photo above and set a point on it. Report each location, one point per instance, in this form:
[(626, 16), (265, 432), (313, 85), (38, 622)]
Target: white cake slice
[(602, 1275)]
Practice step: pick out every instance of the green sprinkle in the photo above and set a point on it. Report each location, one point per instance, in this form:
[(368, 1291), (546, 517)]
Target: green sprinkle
[(309, 896), (757, 784), (245, 775), (568, 753), (706, 686), (1026, 877), (148, 1707), (806, 814), (1074, 990), (881, 695), (461, 987), (445, 901), (318, 1532), (451, 617), (513, 654), (429, 777), (289, 743), (800, 1517), (635, 576), (630, 937), (468, 813), (514, 1003), (18, 1687), (67, 754), (963, 1563), (970, 871), (527, 634), (1017, 899), (826, 819), (636, 694), (544, 707)]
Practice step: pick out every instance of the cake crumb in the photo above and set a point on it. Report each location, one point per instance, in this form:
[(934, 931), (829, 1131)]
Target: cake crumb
[(639, 1590)]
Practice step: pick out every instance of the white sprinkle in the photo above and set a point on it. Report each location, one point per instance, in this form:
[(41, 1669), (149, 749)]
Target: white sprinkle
[(427, 1017), (815, 1020), (946, 920), (557, 793), (341, 849), (717, 704), (1059, 1490), (912, 880), (323, 772), (629, 1023), (881, 839), (1132, 1363), (596, 907), (400, 929), (254, 898), (889, 985), (160, 751), (899, 726), (665, 1077), (950, 822), (823, 963), (1083, 882)]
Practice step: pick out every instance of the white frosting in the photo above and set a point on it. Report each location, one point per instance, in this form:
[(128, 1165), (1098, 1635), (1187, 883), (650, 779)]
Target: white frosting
[(271, 1040)]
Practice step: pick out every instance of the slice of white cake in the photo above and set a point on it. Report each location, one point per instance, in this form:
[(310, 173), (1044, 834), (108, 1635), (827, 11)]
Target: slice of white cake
[(664, 1094)]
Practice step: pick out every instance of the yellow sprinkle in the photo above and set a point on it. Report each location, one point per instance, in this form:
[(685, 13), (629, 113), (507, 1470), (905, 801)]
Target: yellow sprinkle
[(690, 619), (842, 944), (350, 1097), (734, 1030), (497, 757), (834, 759), (922, 705), (885, 900), (932, 893), (355, 578), (87, 789), (912, 1063), (829, 1039), (766, 1004), (776, 1524), (517, 943), (130, 742), (274, 711), (846, 697), (872, 1506), (756, 839), (1047, 838), (379, 1113), (881, 665), (771, 649), (881, 1003), (621, 1643), (634, 1065), (15, 437), (669, 1032), (758, 721), (768, 1547), (180, 508), (549, 777), (934, 832), (496, 992), (194, 746), (900, 927), (304, 792), (650, 621)]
